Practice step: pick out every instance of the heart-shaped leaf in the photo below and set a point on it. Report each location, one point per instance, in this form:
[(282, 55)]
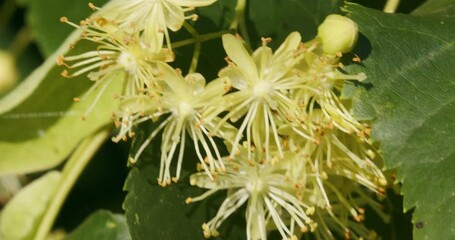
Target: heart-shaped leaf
[(409, 62)]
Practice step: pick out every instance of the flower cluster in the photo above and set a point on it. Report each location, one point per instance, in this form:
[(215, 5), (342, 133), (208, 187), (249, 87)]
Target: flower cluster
[(305, 161), (129, 38), (298, 158)]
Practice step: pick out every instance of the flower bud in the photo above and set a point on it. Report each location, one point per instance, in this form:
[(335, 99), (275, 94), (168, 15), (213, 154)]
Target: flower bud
[(8, 72), (338, 34)]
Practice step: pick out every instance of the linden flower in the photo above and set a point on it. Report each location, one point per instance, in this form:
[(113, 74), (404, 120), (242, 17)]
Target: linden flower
[(265, 189), (151, 15), (180, 104), (319, 72), (350, 158), (340, 222), (336, 154), (134, 110), (263, 81), (117, 51), (336, 178), (345, 154)]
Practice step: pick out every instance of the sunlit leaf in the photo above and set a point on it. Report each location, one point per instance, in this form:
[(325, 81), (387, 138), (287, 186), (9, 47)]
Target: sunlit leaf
[(46, 126), (409, 64), (20, 217)]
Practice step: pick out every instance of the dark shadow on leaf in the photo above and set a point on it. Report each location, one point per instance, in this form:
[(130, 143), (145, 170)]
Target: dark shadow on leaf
[(360, 53)]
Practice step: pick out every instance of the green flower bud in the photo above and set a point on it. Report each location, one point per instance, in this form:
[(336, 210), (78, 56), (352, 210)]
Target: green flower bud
[(338, 34), (8, 72)]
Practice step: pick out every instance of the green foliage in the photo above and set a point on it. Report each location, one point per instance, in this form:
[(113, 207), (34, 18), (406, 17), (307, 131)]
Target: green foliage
[(411, 78), (20, 217), (152, 210), (266, 19), (101, 225), (444, 8), (46, 27), (29, 85), (40, 112), (29, 127)]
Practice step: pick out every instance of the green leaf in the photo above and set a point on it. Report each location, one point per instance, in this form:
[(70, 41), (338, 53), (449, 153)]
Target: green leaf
[(23, 2), (215, 17), (212, 19), (436, 8), (101, 225), (44, 20), (19, 218), (273, 18), (409, 64), (43, 129), (48, 68), (152, 210)]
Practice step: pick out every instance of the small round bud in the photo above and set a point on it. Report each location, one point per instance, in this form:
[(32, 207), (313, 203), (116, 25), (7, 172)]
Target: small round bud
[(338, 34), (8, 71)]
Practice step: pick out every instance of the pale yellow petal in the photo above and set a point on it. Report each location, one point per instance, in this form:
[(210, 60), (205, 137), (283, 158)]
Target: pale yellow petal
[(233, 100), (173, 80), (153, 37), (213, 91), (192, 3), (287, 48), (262, 57), (137, 104), (229, 132), (196, 81), (202, 180), (235, 76), (240, 56), (173, 16)]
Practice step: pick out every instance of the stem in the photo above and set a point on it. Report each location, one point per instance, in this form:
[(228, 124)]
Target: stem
[(21, 41), (197, 40), (238, 23), (195, 59), (201, 38), (72, 170), (190, 29), (197, 47), (239, 14), (183, 43), (209, 36), (391, 6)]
